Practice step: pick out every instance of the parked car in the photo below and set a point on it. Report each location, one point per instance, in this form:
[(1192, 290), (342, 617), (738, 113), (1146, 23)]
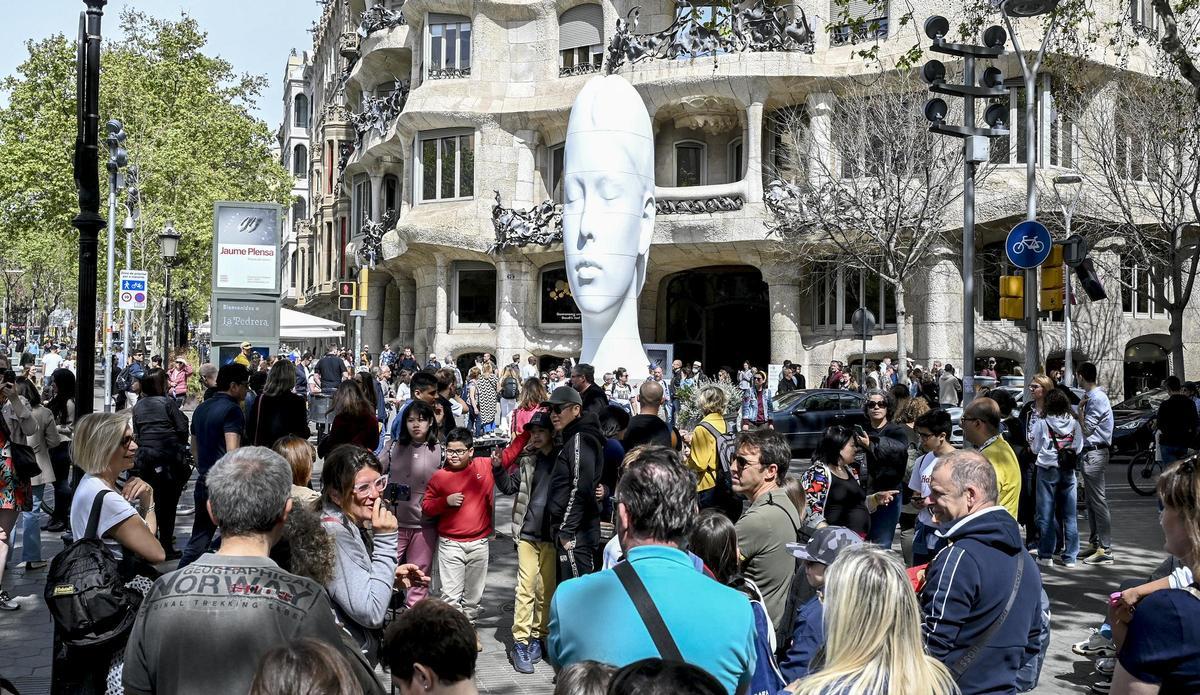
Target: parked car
[(1133, 419), (802, 416)]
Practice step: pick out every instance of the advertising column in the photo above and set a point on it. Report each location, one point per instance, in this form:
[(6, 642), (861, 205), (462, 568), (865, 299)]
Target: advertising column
[(246, 277)]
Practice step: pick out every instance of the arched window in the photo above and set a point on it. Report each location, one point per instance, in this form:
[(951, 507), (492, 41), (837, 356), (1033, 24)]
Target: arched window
[(691, 167), (300, 162), (300, 111), (299, 210)]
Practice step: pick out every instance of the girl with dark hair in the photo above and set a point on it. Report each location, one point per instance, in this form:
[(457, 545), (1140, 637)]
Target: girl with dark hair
[(533, 394), (885, 446), (278, 412), (62, 407), (354, 420), (161, 431), (714, 540), (1057, 438), (410, 462), (832, 491), (42, 440)]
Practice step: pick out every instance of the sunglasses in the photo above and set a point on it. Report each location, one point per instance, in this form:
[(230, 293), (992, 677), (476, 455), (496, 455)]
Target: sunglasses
[(741, 462), (379, 484), (923, 435), (559, 408), (126, 441), (876, 404)]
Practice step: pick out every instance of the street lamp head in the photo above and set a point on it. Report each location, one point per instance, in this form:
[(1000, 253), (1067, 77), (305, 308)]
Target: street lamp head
[(1068, 180), (168, 241), (1025, 8), (128, 224)]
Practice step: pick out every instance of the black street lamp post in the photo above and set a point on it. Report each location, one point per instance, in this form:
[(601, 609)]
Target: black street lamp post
[(168, 244), (87, 180)]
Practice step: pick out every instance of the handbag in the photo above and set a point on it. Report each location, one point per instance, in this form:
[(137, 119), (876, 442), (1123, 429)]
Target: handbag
[(24, 461)]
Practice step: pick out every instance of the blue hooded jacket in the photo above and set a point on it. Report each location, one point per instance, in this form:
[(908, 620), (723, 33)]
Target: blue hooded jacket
[(966, 588)]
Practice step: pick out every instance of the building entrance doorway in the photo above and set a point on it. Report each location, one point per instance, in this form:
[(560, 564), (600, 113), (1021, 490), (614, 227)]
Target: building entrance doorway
[(1146, 365), (718, 315)]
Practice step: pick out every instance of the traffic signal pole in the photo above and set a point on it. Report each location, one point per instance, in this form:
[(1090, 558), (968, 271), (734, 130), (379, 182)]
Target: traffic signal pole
[(968, 252)]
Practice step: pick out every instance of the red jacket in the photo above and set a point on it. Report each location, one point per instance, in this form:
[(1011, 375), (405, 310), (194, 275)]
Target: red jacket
[(473, 520)]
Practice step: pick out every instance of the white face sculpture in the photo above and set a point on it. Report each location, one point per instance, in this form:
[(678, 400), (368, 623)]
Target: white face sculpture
[(608, 195)]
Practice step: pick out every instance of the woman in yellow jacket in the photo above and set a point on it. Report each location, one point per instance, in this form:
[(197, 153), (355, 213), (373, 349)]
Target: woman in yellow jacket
[(702, 459)]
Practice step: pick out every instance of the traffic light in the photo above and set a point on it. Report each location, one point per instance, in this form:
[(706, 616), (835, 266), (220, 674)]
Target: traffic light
[(1050, 298), (1012, 297), (117, 156), (990, 86), (362, 289), (347, 291)]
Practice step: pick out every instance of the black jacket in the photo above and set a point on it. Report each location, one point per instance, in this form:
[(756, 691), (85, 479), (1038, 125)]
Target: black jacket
[(594, 400), (161, 430), (887, 457), (272, 417), (1177, 421), (571, 506)]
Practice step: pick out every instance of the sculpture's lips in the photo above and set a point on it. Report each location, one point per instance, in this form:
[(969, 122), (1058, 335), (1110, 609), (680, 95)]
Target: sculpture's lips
[(587, 271)]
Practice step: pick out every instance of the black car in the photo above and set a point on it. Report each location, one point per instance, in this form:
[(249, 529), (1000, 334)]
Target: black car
[(802, 416), (1132, 418)]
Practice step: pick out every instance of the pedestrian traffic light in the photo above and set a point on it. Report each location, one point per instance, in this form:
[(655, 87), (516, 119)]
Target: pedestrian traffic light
[(347, 291), (1012, 297), (1050, 298), (117, 156)]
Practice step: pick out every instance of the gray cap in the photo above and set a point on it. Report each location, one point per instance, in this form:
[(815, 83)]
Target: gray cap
[(564, 394), (825, 544)]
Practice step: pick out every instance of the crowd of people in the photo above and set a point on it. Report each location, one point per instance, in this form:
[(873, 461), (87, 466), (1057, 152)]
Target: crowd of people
[(623, 516)]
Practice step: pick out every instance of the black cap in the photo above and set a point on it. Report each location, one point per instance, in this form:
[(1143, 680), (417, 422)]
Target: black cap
[(563, 395)]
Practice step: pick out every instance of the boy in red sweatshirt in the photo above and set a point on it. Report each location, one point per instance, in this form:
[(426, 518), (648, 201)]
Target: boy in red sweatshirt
[(460, 497)]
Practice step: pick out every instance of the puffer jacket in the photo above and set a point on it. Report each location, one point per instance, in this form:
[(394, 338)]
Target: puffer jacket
[(966, 588), (886, 457)]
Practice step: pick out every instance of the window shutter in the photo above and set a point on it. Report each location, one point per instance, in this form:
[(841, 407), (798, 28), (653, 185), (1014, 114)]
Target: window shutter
[(859, 9), (580, 26), (440, 18)]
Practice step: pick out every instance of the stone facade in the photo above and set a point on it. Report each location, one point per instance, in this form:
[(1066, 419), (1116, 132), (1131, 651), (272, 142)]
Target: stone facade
[(294, 154), (466, 99)]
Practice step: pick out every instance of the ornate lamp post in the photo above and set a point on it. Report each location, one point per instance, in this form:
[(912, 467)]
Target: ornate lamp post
[(168, 246)]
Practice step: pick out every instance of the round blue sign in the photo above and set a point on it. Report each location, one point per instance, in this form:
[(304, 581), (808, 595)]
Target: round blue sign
[(1028, 244)]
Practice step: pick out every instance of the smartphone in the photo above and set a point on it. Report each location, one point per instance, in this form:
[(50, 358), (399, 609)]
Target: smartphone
[(396, 492), (859, 431), (10, 377)]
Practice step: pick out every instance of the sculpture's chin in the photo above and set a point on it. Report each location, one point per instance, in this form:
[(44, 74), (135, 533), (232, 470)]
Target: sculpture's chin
[(591, 304)]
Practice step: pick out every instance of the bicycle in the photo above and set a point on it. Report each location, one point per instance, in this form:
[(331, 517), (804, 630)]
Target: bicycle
[(1144, 470), (1029, 242)]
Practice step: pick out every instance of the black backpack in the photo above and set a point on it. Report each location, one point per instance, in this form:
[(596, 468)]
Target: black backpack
[(509, 388), (124, 380), (86, 592), (1068, 458)]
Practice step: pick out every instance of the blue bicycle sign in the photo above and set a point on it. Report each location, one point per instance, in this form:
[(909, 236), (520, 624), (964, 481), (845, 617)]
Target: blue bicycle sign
[(1028, 244)]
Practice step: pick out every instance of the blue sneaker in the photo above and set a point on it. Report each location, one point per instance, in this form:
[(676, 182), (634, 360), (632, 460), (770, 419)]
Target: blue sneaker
[(535, 650), (520, 658)]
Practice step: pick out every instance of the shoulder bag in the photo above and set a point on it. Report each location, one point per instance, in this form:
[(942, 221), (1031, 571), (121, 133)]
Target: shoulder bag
[(964, 662)]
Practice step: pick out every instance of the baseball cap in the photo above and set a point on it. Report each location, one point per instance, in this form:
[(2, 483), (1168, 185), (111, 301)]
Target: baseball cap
[(825, 544), (246, 344), (562, 395), (540, 419)]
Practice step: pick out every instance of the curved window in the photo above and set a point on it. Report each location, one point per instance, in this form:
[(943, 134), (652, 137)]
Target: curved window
[(299, 210), (556, 301), (300, 162), (449, 49), (736, 154), (691, 169), (391, 194), (300, 111)]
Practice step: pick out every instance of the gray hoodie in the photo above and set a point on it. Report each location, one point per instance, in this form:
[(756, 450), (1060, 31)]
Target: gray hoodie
[(361, 587), (1066, 428)]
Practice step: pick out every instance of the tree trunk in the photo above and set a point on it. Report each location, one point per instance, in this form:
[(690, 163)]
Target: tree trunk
[(901, 334), (1176, 332)]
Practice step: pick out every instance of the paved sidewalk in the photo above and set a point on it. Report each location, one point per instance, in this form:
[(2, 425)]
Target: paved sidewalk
[(1078, 598)]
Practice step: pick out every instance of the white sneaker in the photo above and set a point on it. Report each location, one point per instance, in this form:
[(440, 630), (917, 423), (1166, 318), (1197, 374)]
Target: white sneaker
[(1095, 646), (1106, 665), (1045, 562)]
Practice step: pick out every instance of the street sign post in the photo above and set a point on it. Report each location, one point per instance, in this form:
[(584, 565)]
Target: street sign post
[(863, 322), (1028, 245), (134, 293)]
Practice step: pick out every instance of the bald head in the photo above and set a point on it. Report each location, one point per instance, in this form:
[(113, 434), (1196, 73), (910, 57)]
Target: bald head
[(650, 395), (985, 412), (970, 472)]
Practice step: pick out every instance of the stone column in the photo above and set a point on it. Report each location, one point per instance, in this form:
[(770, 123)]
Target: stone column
[(783, 289), (525, 142), (754, 151), (820, 118), (441, 307), (391, 314), (376, 176), (515, 288), (936, 310)]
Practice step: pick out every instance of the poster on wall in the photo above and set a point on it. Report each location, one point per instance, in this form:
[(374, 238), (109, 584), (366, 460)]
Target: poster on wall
[(557, 303), (246, 247)]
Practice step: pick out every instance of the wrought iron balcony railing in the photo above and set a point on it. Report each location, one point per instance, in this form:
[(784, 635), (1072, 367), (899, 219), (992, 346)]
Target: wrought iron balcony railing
[(378, 18), (378, 113), (449, 73), (870, 30), (580, 69), (541, 225)]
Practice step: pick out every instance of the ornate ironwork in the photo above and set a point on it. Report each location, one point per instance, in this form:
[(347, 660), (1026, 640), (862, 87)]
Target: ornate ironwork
[(721, 203), (348, 45), (541, 225), (378, 18), (580, 69), (869, 30), (449, 73), (370, 248), (379, 112), (757, 27), (345, 149)]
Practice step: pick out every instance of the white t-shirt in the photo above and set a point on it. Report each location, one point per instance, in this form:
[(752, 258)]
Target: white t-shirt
[(919, 483), (51, 362), (114, 511)]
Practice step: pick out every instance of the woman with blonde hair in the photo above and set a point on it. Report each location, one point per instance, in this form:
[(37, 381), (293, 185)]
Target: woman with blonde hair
[(873, 641), (300, 456), (533, 394), (702, 457)]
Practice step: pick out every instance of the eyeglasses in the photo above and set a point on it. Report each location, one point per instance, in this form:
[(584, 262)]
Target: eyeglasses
[(923, 435), (126, 441), (379, 484), (876, 404), (457, 452), (968, 418)]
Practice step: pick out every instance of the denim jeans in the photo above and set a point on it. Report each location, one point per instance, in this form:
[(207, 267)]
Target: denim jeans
[(31, 528), (1056, 502), (1171, 454), (203, 528), (883, 523)]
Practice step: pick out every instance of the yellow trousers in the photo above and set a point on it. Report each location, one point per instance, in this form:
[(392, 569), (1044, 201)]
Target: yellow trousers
[(535, 585)]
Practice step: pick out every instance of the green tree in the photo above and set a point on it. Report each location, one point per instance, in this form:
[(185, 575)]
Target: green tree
[(190, 132)]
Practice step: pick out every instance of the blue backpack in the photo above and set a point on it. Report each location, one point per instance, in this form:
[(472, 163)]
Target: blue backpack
[(767, 679)]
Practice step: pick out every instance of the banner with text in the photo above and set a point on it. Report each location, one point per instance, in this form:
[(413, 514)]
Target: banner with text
[(235, 319)]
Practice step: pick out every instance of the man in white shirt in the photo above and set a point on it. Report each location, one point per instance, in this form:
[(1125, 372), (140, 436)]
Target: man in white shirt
[(1098, 429), (50, 362), (529, 370)]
